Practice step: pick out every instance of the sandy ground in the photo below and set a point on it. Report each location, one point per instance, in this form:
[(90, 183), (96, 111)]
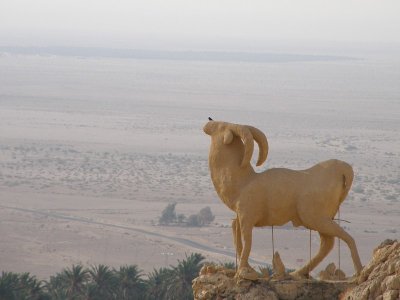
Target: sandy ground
[(88, 203), (42, 233), (85, 185), (58, 200)]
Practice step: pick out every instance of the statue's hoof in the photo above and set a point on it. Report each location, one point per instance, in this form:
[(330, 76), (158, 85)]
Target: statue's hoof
[(296, 275), (247, 273)]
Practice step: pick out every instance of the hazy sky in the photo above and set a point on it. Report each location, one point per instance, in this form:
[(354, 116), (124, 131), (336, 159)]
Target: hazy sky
[(201, 23)]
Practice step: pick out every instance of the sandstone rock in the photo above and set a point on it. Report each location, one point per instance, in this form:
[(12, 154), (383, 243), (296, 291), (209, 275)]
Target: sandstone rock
[(309, 289), (331, 273), (218, 285), (221, 286), (380, 279), (264, 272), (278, 267)]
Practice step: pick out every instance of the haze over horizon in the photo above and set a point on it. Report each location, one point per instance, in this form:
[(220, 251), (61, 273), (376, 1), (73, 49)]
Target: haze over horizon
[(311, 26)]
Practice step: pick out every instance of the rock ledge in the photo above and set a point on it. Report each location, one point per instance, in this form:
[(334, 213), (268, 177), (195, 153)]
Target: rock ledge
[(379, 280), (219, 283)]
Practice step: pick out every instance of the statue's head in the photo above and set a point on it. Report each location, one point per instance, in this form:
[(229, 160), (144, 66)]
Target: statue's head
[(224, 133)]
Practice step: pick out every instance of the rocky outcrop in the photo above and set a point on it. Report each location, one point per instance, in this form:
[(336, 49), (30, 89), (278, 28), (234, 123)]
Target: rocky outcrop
[(380, 279), (219, 283), (332, 273)]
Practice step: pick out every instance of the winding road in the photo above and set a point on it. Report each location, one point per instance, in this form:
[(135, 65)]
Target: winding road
[(178, 240)]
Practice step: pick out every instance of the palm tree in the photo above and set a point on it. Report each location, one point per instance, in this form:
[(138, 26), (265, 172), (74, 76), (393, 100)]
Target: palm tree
[(130, 284), (9, 285), (157, 283), (229, 265), (31, 288), (103, 283), (75, 280), (183, 274), (55, 287), (20, 286)]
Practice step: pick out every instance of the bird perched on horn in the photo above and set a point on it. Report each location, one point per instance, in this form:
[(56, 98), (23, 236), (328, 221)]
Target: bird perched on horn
[(309, 198)]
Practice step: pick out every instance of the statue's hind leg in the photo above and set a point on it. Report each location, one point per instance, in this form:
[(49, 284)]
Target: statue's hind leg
[(327, 227), (326, 245), (237, 237)]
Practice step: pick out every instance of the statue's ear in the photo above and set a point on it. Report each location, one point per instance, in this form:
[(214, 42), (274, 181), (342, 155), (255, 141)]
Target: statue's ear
[(228, 137)]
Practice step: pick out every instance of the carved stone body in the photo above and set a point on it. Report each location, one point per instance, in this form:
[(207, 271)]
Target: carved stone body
[(309, 198)]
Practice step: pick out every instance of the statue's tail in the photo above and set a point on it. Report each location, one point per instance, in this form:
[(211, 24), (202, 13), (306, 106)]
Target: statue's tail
[(347, 177)]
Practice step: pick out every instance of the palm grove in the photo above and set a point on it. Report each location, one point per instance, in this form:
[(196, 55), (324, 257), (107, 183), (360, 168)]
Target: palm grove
[(100, 282)]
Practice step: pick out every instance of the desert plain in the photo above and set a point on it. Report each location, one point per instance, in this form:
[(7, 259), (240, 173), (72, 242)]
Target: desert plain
[(92, 150)]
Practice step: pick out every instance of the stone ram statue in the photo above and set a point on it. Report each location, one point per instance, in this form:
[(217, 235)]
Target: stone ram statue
[(309, 198)]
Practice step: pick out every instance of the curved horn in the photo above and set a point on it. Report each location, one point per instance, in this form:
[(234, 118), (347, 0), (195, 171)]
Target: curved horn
[(247, 138), (262, 142)]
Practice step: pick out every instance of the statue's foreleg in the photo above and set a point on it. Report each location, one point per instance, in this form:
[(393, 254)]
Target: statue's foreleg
[(245, 271)]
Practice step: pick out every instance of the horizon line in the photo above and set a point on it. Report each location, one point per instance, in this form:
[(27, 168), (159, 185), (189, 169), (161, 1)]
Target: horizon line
[(175, 55)]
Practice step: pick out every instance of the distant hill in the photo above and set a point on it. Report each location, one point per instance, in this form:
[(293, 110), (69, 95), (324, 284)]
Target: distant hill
[(171, 55)]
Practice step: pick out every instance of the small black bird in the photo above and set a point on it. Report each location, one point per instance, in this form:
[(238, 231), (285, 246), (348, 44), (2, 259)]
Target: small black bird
[(209, 118)]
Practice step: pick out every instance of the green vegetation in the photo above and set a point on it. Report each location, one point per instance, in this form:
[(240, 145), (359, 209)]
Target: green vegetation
[(20, 286), (169, 216), (101, 282)]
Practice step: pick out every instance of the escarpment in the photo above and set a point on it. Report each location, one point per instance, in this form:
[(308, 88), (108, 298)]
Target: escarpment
[(379, 280), (219, 283)]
